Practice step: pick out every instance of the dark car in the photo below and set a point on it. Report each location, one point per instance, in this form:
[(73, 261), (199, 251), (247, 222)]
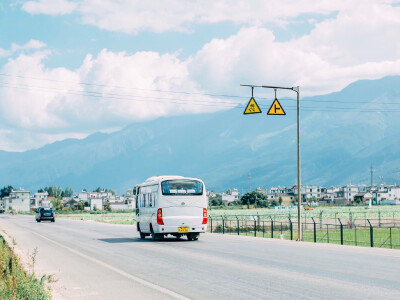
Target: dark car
[(45, 213)]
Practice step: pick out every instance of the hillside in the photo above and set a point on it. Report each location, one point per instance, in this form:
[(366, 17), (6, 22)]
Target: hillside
[(338, 146)]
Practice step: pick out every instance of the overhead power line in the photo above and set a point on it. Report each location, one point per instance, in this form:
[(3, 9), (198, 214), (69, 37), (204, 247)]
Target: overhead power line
[(350, 106)]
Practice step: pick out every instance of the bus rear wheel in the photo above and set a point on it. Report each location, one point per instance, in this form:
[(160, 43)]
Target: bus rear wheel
[(192, 236), (156, 236)]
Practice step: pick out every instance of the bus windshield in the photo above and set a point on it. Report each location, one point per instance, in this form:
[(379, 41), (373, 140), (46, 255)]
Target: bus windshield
[(182, 187)]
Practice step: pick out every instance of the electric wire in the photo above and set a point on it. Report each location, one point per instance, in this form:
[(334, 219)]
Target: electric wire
[(198, 102)]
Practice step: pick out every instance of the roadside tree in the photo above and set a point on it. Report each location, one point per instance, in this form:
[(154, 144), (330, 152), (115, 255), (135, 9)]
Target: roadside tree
[(57, 203), (68, 192), (5, 191), (253, 198)]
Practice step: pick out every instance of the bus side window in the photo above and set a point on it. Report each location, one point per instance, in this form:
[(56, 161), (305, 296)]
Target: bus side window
[(151, 200)]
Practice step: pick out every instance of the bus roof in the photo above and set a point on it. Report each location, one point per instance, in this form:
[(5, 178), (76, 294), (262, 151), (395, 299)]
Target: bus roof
[(167, 177)]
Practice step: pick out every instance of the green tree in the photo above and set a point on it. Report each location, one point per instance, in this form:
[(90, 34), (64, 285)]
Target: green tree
[(57, 203), (68, 192), (80, 205), (108, 207), (5, 191), (54, 191), (215, 201), (280, 201), (253, 198), (100, 189)]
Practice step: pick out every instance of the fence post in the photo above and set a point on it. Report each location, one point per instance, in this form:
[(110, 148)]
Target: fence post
[(390, 232), (255, 226), (211, 222), (341, 232), (315, 230), (327, 233), (272, 228), (351, 219), (371, 233), (355, 235), (320, 219), (263, 228), (238, 226), (379, 216), (223, 225), (291, 229)]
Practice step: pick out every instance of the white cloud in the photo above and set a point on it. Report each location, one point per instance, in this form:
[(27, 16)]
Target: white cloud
[(367, 33), (49, 7), (52, 103), (360, 42), (31, 45), (133, 16), (4, 52), (357, 44)]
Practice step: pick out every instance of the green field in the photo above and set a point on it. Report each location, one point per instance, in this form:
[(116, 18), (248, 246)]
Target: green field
[(326, 218), (126, 218), (357, 236), (383, 211)]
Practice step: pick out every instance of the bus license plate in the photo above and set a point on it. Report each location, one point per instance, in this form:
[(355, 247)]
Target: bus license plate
[(183, 229)]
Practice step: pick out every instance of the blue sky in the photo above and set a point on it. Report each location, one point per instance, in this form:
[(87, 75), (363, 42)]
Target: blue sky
[(69, 68)]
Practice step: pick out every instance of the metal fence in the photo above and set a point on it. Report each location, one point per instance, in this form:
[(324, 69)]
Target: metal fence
[(378, 232)]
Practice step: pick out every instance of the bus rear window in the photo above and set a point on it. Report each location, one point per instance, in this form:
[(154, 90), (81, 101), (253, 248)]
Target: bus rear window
[(179, 187)]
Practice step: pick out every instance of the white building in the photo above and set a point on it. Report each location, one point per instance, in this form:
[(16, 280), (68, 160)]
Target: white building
[(18, 200), (331, 192), (98, 202), (38, 198), (233, 196), (311, 191), (349, 191), (386, 193), (83, 196)]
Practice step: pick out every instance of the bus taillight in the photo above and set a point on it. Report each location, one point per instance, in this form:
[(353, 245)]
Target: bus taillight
[(159, 217), (204, 216)]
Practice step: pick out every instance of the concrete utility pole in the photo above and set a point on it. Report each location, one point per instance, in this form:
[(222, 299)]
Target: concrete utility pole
[(249, 181), (372, 175), (297, 90)]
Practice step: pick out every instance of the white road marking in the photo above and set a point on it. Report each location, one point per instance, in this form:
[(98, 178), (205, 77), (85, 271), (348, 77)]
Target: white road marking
[(127, 275)]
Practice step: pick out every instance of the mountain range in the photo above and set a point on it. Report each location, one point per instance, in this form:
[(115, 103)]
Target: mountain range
[(342, 135)]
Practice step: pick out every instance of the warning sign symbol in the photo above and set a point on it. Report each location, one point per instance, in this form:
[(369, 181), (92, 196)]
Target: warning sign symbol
[(252, 107), (276, 108)]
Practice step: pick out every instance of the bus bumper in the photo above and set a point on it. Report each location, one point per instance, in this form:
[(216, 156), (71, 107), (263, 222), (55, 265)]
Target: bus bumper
[(181, 230)]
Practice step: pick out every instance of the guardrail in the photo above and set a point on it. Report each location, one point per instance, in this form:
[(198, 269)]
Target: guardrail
[(380, 232)]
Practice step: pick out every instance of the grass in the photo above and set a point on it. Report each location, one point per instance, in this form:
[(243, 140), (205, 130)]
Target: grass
[(357, 236), (383, 211), (119, 221), (15, 282), (126, 218)]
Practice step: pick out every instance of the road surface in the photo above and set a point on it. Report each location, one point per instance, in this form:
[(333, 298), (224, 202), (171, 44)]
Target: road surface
[(102, 261)]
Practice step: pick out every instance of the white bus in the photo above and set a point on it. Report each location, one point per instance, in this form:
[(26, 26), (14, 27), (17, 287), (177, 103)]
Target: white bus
[(172, 205)]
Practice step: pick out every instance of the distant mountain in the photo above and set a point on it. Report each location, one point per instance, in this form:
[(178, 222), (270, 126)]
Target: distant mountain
[(342, 134)]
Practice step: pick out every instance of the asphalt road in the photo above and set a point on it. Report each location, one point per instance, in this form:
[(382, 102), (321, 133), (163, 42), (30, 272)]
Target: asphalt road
[(101, 261)]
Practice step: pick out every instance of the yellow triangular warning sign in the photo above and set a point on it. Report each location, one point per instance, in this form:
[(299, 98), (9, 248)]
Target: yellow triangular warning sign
[(276, 108), (252, 107)]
